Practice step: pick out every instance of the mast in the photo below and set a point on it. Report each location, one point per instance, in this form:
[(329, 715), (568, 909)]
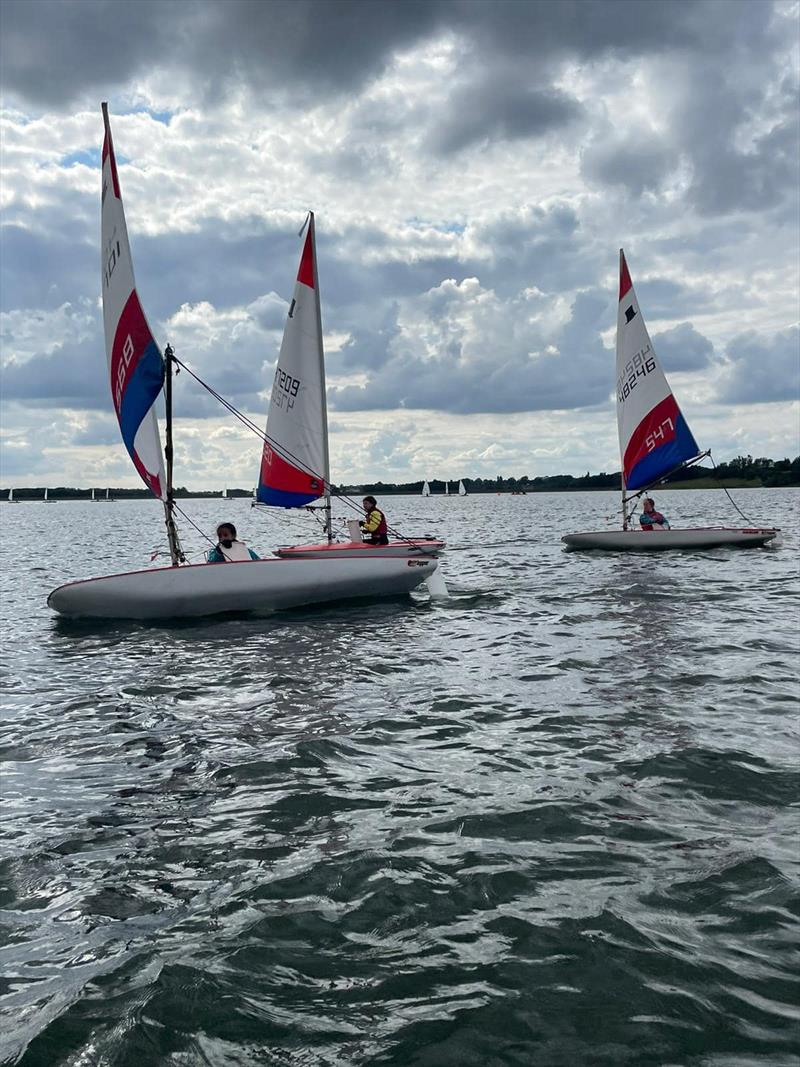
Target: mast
[(175, 551), (326, 473)]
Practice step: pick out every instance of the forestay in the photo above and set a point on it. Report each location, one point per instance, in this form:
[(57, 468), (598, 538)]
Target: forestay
[(294, 463), (654, 437), (135, 365)]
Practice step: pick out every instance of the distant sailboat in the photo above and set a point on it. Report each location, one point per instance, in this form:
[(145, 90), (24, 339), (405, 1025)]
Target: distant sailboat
[(95, 499), (447, 488), (654, 440), (462, 489), (109, 497), (11, 499), (46, 499), (224, 494), (426, 489)]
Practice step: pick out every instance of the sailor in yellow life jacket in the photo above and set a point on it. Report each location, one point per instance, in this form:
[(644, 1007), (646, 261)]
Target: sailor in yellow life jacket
[(375, 522), (228, 549)]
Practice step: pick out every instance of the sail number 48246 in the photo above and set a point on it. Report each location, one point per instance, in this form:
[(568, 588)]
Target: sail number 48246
[(640, 366), (284, 390)]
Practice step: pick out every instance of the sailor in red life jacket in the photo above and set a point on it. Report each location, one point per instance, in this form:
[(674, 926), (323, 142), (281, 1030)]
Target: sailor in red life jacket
[(650, 519), (228, 549), (375, 523)]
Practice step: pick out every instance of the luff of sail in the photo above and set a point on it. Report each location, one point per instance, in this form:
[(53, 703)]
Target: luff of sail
[(135, 365), (294, 463), (654, 437)]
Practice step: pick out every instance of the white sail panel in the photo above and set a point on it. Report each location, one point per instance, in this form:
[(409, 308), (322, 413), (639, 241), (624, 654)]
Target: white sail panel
[(294, 463), (135, 365), (654, 437)]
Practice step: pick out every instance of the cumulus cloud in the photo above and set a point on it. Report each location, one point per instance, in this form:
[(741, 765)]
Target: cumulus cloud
[(474, 167), (461, 348), (683, 348), (762, 367)]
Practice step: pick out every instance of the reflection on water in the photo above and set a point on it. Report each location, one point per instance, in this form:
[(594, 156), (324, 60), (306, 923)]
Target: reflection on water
[(545, 821)]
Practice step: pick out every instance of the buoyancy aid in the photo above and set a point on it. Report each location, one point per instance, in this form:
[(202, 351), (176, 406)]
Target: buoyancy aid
[(378, 533), (237, 553)]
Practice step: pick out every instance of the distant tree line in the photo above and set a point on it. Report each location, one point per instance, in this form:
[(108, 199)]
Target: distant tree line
[(764, 472)]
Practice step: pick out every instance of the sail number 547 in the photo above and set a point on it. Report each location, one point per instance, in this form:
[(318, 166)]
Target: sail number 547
[(654, 439)]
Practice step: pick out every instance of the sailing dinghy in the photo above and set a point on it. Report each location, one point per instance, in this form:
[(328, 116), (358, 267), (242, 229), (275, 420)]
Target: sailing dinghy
[(138, 374), (654, 441), (295, 463)]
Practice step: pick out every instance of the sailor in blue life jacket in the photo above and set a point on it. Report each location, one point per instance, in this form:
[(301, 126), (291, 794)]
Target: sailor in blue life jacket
[(228, 549), (650, 519), (375, 522)]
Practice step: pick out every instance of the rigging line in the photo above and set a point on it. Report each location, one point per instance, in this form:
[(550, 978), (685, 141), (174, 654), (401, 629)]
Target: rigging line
[(285, 453), (727, 494), (282, 451)]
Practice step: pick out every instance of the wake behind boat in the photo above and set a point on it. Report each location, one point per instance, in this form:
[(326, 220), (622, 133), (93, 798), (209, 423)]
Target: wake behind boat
[(655, 441), (139, 374)]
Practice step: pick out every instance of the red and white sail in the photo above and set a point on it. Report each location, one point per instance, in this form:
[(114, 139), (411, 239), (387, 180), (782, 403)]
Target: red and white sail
[(654, 437), (135, 365), (294, 463)]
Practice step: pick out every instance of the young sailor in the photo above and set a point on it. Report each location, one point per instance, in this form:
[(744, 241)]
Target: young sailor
[(650, 519), (228, 549), (375, 523)]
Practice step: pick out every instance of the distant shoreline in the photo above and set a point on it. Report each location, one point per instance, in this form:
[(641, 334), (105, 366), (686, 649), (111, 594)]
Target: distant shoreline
[(121, 495)]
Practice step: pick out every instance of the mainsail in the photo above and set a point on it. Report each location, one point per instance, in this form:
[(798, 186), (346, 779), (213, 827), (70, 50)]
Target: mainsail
[(654, 437), (135, 364), (426, 489), (294, 463)]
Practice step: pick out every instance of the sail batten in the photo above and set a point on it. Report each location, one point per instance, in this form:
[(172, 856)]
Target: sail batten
[(654, 437), (135, 364), (294, 462)]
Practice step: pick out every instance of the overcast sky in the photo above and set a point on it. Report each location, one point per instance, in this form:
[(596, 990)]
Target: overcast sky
[(474, 167)]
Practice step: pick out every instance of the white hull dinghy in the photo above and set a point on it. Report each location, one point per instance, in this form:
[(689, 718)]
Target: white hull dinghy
[(419, 548), (259, 586), (659, 540), (654, 441), (139, 374)]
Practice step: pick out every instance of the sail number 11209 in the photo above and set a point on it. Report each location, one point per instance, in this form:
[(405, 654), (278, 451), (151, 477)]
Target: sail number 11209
[(284, 390)]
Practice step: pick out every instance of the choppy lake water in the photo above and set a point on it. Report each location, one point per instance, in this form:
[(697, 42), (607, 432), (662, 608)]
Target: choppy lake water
[(551, 821)]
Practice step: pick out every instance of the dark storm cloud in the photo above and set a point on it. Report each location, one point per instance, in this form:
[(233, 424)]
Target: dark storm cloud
[(762, 368), (501, 112), (55, 50), (508, 55)]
